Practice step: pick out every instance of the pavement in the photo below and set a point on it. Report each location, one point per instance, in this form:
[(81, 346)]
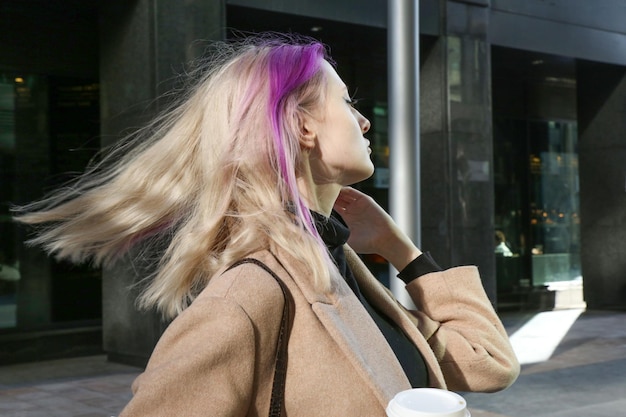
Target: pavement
[(574, 365), (77, 387)]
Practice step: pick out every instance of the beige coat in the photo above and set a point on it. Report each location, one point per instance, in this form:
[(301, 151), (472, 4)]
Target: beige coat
[(216, 358)]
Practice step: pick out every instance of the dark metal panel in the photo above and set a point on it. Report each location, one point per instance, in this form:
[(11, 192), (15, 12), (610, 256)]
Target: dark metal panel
[(540, 35), (49, 37), (608, 15), (362, 12), (483, 3), (429, 17)]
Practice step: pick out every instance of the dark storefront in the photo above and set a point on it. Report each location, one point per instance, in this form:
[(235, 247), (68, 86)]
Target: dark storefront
[(536, 179), (49, 130)]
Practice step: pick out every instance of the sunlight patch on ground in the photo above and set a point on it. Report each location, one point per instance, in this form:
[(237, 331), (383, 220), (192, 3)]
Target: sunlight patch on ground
[(539, 337)]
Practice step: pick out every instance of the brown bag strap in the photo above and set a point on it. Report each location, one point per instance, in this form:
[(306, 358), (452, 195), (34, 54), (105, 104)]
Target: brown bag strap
[(280, 371)]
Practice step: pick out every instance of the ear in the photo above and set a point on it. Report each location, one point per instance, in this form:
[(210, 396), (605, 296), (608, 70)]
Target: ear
[(308, 133)]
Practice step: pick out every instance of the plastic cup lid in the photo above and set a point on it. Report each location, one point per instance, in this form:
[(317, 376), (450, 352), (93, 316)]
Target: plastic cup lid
[(427, 402)]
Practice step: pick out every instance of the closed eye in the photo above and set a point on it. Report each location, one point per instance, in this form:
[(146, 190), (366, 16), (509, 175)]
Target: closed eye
[(351, 99)]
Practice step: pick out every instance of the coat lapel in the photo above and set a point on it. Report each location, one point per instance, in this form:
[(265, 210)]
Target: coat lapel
[(352, 328), (378, 296)]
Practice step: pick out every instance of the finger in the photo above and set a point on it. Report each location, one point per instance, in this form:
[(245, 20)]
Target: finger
[(340, 206), (350, 193), (348, 196), (344, 200)]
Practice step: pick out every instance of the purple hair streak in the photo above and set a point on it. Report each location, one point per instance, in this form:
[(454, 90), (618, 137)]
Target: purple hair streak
[(290, 67)]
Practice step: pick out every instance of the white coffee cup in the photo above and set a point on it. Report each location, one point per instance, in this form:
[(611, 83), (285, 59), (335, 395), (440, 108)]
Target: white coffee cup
[(427, 402)]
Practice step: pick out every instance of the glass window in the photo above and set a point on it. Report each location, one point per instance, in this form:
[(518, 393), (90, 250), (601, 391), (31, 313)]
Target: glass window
[(9, 266), (554, 202), (537, 203), (536, 176), (49, 130)]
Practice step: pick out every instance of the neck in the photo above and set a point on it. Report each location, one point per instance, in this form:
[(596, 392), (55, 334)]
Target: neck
[(319, 197), (326, 196)]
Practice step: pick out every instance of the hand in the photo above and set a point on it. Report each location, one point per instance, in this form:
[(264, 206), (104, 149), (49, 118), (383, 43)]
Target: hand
[(372, 230)]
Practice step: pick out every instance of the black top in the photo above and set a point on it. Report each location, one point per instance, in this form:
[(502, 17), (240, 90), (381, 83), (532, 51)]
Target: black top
[(335, 234)]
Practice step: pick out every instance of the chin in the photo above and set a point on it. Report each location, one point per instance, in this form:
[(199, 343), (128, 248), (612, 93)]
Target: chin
[(361, 176)]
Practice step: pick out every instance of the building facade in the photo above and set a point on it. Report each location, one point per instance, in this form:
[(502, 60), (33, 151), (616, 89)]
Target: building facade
[(523, 137)]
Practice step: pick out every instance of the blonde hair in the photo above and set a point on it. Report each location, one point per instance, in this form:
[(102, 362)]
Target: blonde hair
[(215, 175)]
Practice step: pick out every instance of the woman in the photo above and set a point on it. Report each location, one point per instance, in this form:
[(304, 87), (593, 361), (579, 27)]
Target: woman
[(254, 163)]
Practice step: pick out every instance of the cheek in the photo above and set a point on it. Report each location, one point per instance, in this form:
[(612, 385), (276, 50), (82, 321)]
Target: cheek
[(345, 128)]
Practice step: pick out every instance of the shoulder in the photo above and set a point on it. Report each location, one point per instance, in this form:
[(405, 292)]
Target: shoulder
[(248, 285)]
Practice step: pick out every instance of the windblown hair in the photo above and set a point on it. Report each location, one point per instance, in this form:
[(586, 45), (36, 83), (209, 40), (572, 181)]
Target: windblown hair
[(215, 175)]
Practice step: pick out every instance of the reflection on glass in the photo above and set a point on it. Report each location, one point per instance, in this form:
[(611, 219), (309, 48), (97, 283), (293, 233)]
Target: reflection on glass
[(9, 265), (380, 146), (48, 129), (537, 239), (554, 202)]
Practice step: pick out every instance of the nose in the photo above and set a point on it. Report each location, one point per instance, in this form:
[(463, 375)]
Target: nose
[(364, 123)]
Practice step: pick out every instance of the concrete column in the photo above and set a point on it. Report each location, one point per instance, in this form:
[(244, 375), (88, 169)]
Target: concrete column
[(602, 173), (456, 141), (144, 43)]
